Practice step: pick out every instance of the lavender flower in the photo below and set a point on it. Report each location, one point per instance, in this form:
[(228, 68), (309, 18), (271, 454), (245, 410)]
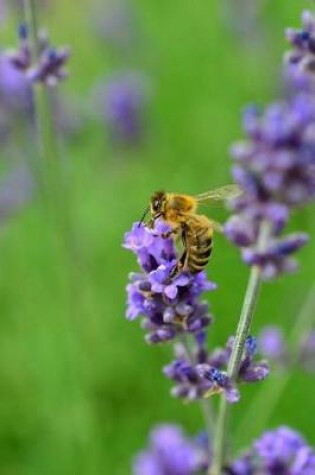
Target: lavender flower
[(272, 345), (15, 90), (51, 65), (277, 452), (281, 451), (170, 453), (123, 99), (15, 99), (276, 165), (199, 374), (170, 307), (276, 170), (301, 60)]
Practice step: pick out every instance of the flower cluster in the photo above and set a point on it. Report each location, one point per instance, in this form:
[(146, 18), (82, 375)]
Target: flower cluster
[(275, 168), (277, 452), (121, 101), (273, 346), (49, 69), (301, 59), (15, 99), (199, 374), (281, 451), (171, 453), (171, 306)]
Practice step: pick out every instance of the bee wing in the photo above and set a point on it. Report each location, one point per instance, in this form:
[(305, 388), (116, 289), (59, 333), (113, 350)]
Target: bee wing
[(221, 194)]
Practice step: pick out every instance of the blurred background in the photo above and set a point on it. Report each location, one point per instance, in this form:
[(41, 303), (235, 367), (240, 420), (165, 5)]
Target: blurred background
[(153, 101)]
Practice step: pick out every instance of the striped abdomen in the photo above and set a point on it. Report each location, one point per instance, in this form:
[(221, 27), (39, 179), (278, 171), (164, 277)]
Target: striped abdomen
[(199, 242)]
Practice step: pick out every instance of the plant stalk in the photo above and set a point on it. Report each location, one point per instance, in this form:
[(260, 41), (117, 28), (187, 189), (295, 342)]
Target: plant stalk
[(249, 303)]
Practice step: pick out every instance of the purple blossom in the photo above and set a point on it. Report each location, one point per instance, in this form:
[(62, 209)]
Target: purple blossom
[(170, 453), (49, 69), (301, 59), (121, 102), (278, 452), (170, 306), (281, 451), (198, 374), (275, 168), (272, 344), (15, 90)]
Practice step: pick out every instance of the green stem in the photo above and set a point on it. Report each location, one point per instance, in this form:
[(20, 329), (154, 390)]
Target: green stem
[(265, 402), (49, 166), (31, 22), (249, 303)]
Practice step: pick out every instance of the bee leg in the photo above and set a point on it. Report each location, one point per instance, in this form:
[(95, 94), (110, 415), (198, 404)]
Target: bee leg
[(179, 265), (182, 260), (169, 233)]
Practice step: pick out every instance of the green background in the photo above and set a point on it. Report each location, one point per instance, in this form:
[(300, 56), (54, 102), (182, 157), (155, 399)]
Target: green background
[(79, 388)]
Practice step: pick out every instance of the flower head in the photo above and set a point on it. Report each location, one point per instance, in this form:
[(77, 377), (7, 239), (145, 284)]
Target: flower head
[(170, 453), (277, 452), (170, 306), (301, 59), (275, 168), (49, 68), (121, 101), (199, 374)]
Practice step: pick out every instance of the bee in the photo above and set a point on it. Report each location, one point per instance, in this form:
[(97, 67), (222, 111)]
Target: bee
[(196, 231)]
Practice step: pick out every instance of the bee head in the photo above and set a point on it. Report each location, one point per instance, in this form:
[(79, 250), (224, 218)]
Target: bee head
[(156, 208), (157, 204)]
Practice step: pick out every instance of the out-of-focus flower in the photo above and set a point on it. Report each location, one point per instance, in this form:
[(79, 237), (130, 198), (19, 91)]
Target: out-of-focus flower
[(272, 345), (50, 67), (15, 99), (122, 101), (300, 60), (281, 451), (275, 168), (170, 453), (15, 89), (277, 452)]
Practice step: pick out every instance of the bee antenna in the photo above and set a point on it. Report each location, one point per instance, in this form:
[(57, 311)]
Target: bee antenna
[(144, 215)]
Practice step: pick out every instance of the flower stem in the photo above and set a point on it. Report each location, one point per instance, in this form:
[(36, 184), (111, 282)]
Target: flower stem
[(49, 163), (249, 303), (267, 399), (31, 22)]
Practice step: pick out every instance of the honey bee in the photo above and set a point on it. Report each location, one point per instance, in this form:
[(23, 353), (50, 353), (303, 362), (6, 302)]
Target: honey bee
[(195, 230)]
